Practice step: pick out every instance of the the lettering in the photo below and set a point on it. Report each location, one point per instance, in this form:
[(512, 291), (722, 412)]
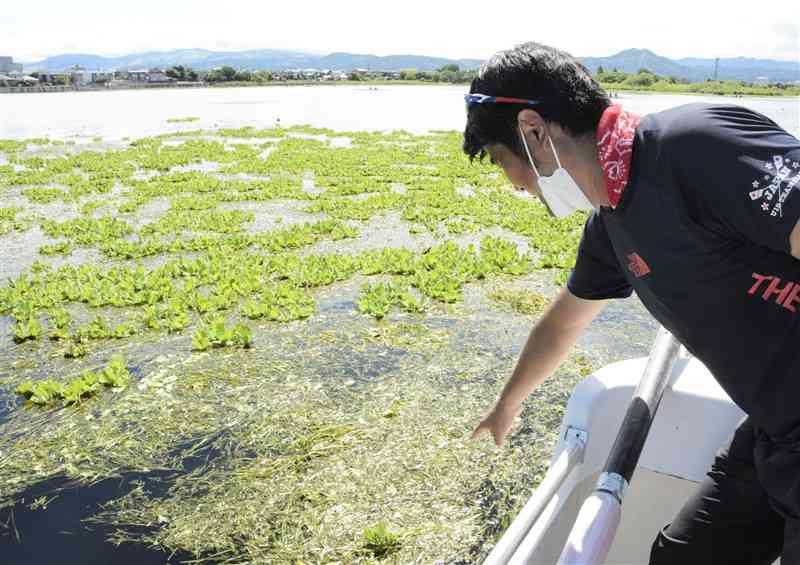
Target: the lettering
[(787, 296), (773, 289), (793, 297), (759, 280)]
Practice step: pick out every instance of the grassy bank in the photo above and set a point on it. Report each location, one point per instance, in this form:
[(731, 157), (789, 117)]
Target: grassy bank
[(718, 88)]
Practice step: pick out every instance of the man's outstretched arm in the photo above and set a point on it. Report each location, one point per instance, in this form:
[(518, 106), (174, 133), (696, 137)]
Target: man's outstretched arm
[(548, 345)]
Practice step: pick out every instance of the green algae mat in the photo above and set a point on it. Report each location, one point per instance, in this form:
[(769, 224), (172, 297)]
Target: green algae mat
[(287, 334)]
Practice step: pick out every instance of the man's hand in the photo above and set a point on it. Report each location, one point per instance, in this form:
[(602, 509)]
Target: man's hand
[(547, 346), (498, 422)]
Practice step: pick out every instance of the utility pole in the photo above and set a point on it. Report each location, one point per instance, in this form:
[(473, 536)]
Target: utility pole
[(716, 69)]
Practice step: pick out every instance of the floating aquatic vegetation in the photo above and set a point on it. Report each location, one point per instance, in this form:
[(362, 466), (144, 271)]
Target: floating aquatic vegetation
[(87, 231), (26, 329), (521, 301), (76, 348), (378, 299), (192, 202), (215, 333), (10, 222), (283, 303), (183, 120), (12, 146), (87, 384), (327, 421), (408, 335), (44, 195), (347, 209), (176, 221), (390, 261), (60, 248), (379, 541)]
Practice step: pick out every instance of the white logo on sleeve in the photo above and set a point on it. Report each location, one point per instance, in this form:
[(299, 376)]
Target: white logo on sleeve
[(779, 184)]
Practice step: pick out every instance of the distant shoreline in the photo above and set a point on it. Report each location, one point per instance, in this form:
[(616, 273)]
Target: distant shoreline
[(692, 88), (705, 89), (229, 84)]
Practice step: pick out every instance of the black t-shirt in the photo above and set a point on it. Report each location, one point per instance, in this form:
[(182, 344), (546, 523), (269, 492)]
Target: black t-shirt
[(702, 235)]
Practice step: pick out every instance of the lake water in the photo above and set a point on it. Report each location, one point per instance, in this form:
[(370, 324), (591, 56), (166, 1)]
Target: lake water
[(136, 113)]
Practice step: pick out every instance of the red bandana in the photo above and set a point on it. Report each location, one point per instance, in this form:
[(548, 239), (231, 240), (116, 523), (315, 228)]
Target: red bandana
[(615, 148)]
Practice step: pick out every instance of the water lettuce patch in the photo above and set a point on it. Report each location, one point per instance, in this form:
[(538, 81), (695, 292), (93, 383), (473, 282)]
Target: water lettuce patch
[(76, 390)]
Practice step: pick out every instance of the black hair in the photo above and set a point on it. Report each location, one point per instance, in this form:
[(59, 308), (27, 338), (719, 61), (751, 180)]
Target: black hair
[(570, 96)]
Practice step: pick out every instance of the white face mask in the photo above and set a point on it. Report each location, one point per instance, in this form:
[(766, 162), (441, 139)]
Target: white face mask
[(560, 191)]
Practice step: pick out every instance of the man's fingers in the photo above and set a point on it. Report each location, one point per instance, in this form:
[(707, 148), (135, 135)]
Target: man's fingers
[(498, 438), (478, 431)]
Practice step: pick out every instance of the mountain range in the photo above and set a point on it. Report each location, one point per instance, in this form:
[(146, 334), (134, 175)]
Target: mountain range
[(260, 59), (698, 70), (629, 60)]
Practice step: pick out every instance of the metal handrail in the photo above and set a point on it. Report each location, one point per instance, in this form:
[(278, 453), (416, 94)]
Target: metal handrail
[(594, 529), (598, 519), (568, 459)]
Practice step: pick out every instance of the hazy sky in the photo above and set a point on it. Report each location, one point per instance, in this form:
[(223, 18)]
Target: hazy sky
[(33, 29)]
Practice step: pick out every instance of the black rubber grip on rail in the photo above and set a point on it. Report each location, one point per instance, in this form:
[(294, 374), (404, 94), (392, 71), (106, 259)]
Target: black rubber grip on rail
[(642, 409), (630, 441)]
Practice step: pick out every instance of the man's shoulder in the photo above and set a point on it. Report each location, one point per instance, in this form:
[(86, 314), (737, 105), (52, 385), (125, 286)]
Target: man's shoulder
[(700, 122)]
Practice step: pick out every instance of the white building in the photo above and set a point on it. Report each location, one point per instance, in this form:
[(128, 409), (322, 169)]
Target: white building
[(101, 76), (151, 75), (138, 75), (158, 75)]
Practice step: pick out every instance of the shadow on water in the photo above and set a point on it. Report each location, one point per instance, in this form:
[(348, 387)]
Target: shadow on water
[(56, 535), (57, 530)]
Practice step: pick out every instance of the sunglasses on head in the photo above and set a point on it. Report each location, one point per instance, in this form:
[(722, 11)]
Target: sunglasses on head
[(475, 98)]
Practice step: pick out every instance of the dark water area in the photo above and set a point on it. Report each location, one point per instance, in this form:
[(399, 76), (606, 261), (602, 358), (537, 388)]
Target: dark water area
[(57, 535), (58, 530)]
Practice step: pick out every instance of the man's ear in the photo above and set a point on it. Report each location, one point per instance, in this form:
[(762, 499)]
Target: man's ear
[(532, 124)]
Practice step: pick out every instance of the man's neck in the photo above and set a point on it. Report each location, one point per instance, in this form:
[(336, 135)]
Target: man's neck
[(587, 171)]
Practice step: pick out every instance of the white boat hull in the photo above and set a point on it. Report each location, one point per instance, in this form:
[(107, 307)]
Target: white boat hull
[(694, 420)]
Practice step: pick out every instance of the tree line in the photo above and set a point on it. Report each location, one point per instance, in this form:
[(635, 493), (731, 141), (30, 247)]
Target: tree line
[(614, 79), (450, 73), (646, 80)]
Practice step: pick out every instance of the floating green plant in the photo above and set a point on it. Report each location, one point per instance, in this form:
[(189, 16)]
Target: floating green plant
[(172, 316), (380, 541), (394, 409), (378, 299), (60, 248), (87, 384), (87, 231), (42, 393), (283, 303), (215, 333), (389, 261), (193, 220), (44, 195), (12, 146), (76, 348), (26, 329), (9, 221)]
